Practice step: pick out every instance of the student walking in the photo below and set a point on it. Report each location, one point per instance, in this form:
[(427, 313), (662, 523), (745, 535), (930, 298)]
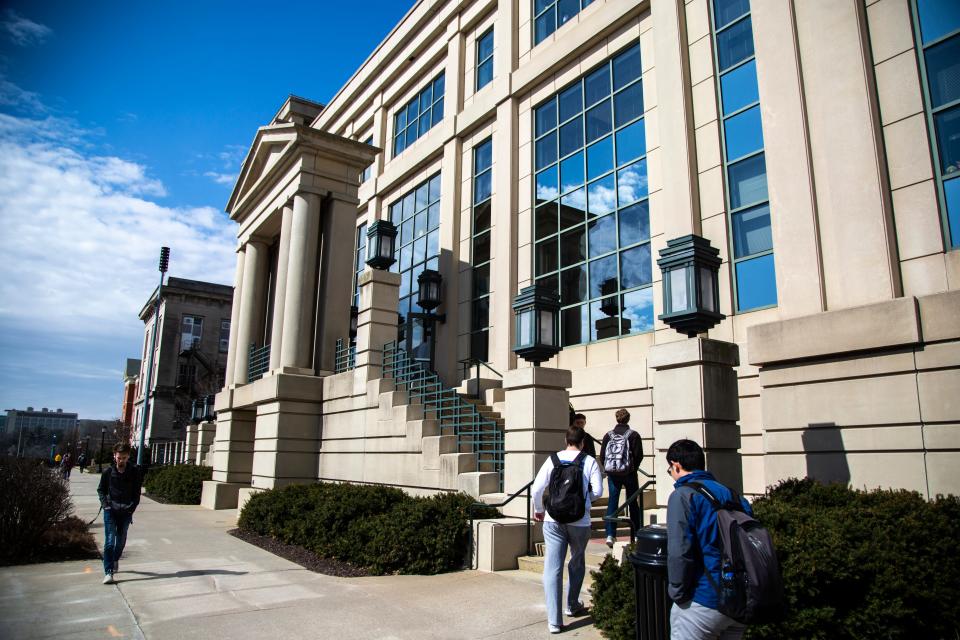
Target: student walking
[(589, 443), (574, 482), (66, 465), (693, 548), (119, 492), (620, 454)]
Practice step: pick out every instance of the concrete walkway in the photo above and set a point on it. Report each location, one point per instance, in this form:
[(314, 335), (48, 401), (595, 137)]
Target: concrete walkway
[(182, 576)]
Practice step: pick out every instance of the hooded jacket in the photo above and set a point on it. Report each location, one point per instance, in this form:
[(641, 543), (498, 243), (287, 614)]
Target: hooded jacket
[(693, 542)]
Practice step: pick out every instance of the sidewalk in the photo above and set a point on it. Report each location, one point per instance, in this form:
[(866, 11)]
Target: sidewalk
[(182, 576)]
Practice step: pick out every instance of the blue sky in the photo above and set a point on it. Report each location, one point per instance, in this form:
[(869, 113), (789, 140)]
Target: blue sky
[(122, 128)]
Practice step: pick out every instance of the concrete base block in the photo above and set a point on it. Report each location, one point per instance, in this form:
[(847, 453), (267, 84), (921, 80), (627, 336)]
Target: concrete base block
[(220, 495), (477, 483), (243, 495), (499, 542)]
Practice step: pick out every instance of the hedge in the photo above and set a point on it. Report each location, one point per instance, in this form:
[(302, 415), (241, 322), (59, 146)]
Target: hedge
[(379, 528), (856, 564), (178, 484)]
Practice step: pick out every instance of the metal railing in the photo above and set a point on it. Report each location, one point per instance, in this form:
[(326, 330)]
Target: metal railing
[(345, 357), (476, 505), (475, 433), (635, 497), (467, 363), (259, 362)]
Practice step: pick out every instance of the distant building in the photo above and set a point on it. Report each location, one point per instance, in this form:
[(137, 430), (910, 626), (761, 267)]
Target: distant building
[(3, 425), (131, 375), (43, 419), (189, 357)]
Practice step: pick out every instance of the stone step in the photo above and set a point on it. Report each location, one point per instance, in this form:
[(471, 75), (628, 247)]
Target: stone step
[(477, 483)]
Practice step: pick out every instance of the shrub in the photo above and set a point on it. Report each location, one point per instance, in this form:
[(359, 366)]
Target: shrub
[(179, 484), (855, 564), (34, 500), (379, 528)]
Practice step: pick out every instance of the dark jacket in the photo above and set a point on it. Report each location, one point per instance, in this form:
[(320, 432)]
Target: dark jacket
[(693, 545), (120, 491), (633, 441)]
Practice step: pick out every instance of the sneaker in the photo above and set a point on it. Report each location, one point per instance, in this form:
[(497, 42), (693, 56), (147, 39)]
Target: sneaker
[(575, 611), (610, 541), (552, 628), (108, 579)]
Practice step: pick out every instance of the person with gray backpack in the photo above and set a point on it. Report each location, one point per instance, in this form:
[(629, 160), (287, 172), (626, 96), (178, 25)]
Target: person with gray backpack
[(722, 569), (620, 455)]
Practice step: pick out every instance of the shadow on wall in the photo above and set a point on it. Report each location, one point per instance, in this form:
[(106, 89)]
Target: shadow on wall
[(826, 458)]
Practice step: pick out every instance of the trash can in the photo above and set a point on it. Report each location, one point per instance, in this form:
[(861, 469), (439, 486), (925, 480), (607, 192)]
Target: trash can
[(649, 560)]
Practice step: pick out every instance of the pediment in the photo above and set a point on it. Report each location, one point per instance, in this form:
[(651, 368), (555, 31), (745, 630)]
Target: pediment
[(269, 146)]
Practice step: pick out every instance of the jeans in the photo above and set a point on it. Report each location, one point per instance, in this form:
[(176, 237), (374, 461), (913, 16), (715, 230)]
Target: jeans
[(693, 621), (558, 537), (614, 484), (115, 526)]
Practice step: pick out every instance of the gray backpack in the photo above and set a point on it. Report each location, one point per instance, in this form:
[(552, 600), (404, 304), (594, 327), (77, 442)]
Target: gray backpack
[(616, 456), (751, 587)]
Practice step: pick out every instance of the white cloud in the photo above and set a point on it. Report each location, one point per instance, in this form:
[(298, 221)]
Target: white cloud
[(221, 178), (12, 95), (23, 31), (81, 235)]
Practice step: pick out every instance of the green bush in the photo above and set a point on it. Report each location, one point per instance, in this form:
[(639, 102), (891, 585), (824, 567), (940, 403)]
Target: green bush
[(856, 564), (381, 529), (179, 484)]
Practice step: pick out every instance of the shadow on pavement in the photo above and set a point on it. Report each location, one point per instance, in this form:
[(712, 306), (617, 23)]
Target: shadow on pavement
[(585, 621), (192, 573)]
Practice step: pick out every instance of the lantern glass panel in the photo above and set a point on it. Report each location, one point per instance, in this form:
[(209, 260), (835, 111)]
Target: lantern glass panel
[(679, 295), (525, 328), (547, 321), (707, 302)]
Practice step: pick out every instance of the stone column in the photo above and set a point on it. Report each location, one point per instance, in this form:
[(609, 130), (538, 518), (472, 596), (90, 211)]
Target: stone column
[(451, 262), (695, 397), (505, 238), (206, 431), (339, 229), (377, 322), (286, 445), (232, 460), (536, 416), (301, 284), (279, 295), (252, 293)]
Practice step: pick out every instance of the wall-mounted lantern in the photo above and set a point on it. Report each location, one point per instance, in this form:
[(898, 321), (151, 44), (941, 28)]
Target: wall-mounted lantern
[(381, 239), (354, 315), (428, 289), (691, 297), (536, 312)]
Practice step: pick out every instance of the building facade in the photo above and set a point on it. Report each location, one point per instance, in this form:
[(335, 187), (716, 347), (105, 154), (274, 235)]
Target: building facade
[(189, 359), (815, 144)]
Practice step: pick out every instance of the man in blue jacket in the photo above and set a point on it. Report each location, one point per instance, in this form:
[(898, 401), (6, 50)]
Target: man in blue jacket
[(693, 549)]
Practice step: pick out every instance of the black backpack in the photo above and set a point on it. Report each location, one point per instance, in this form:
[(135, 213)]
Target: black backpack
[(751, 587), (565, 501)]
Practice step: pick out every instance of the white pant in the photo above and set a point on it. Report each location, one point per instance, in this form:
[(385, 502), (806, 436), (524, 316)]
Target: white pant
[(693, 621)]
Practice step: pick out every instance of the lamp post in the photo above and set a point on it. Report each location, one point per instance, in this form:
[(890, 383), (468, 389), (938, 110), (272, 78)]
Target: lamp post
[(536, 311), (691, 298), (103, 433), (164, 263), (381, 240), (53, 448)]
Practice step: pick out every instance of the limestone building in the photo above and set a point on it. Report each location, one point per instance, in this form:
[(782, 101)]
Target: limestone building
[(189, 360), (563, 143)]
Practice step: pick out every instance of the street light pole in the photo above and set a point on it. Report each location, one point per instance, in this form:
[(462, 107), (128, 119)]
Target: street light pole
[(103, 432), (164, 262)]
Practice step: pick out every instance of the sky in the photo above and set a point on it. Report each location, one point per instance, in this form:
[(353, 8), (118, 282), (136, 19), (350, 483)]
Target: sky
[(123, 126)]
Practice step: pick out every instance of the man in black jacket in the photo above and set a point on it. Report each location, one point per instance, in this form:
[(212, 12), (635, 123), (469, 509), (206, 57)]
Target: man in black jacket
[(119, 493), (620, 454)]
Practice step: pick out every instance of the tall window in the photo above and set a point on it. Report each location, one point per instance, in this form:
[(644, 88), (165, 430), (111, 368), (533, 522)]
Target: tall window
[(480, 254), (416, 117), (224, 336), (358, 262), (369, 170), (417, 217), (191, 330), (592, 216), (550, 15), (484, 59), (745, 169), (938, 32)]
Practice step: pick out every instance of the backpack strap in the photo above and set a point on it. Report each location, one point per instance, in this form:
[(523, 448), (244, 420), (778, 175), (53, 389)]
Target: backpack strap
[(733, 504), (555, 459), (580, 459)]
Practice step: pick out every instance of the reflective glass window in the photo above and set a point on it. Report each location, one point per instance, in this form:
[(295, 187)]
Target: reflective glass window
[(628, 104), (734, 44), (596, 86), (947, 124), (417, 116), (484, 59), (546, 150), (626, 67), (751, 231), (635, 267), (601, 196), (600, 158), (951, 192), (943, 71), (738, 87), (598, 121), (743, 133), (756, 283), (602, 235), (747, 181), (938, 18), (725, 11), (632, 183), (631, 142), (573, 247), (571, 173), (634, 223), (637, 310)]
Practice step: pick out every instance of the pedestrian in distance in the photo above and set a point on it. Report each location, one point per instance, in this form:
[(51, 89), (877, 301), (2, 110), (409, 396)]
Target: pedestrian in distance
[(620, 455), (590, 443), (66, 465), (82, 461), (694, 566), (574, 482), (119, 492)]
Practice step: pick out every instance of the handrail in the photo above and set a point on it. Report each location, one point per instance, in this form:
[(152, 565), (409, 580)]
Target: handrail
[(634, 497), (467, 362), (510, 498)]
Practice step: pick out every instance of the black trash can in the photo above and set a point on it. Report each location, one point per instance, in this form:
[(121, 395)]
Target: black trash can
[(649, 560)]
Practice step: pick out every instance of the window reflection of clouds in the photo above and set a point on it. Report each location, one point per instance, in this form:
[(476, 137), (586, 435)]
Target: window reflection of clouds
[(602, 196), (632, 183), (638, 309)]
